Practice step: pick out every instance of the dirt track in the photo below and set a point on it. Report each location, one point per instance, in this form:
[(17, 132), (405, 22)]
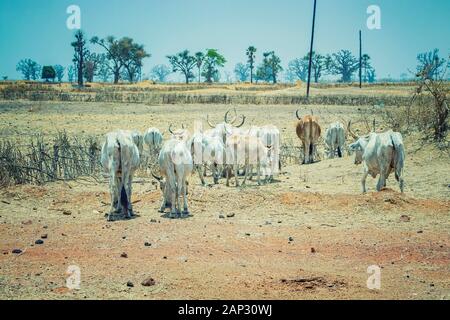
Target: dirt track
[(246, 255)]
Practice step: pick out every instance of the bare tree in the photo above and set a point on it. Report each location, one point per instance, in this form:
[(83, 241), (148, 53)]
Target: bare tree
[(59, 70), (432, 63), (242, 71), (160, 72), (81, 52)]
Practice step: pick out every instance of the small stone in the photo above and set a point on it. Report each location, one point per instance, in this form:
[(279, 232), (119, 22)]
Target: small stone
[(124, 255), (165, 258), (313, 250), (45, 227), (17, 251), (230, 215), (221, 216), (44, 236), (130, 284), (153, 221), (27, 222), (147, 244), (247, 234), (291, 239), (124, 237), (420, 231), (280, 221), (148, 282), (67, 212), (405, 218), (39, 241)]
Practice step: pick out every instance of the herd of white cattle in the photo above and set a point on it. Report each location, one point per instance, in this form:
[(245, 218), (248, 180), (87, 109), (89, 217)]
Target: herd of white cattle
[(228, 148)]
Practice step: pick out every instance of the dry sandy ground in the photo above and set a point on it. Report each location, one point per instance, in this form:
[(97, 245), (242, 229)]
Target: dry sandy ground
[(336, 232)]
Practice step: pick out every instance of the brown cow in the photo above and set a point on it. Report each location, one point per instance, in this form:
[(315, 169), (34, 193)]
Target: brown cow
[(308, 130)]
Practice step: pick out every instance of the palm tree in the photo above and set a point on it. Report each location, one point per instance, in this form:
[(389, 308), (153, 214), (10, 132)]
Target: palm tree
[(199, 58), (251, 60)]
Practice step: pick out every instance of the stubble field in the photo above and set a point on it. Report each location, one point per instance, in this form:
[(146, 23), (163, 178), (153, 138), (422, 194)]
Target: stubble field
[(310, 234)]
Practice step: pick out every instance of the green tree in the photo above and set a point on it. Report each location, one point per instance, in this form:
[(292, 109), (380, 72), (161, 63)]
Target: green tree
[(113, 49), (81, 52), (251, 54), (132, 55), (213, 60), (48, 72), (30, 69), (270, 67), (344, 64), (183, 62), (368, 72)]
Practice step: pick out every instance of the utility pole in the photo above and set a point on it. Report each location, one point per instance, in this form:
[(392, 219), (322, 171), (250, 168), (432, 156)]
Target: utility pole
[(311, 49), (360, 60)]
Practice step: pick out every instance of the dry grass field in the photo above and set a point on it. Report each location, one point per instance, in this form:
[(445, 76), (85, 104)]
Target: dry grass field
[(310, 234)]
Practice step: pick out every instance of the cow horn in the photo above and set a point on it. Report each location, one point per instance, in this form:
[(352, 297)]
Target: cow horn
[(235, 117), (296, 113), (349, 129), (156, 177), (226, 116), (242, 123), (170, 129), (209, 123)]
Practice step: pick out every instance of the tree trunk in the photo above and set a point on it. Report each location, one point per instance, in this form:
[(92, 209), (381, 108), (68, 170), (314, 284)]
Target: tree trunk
[(116, 76)]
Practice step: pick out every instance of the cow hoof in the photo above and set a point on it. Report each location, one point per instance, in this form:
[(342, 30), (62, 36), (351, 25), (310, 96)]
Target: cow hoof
[(186, 212)]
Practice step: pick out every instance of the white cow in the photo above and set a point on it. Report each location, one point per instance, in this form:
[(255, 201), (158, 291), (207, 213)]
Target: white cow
[(180, 134), (247, 151), (380, 153), (136, 137), (120, 158), (175, 164), (335, 139), (207, 152), (153, 139)]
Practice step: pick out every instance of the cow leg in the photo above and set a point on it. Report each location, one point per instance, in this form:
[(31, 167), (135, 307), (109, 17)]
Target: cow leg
[(306, 152), (363, 180), (185, 203), (381, 181), (199, 170), (236, 169), (130, 191), (173, 200), (227, 170), (248, 169), (258, 172)]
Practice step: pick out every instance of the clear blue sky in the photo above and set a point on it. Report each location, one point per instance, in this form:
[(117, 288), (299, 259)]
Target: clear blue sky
[(37, 29)]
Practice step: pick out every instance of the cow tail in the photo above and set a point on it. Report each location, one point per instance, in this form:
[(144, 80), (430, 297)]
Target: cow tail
[(123, 194), (399, 156)]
